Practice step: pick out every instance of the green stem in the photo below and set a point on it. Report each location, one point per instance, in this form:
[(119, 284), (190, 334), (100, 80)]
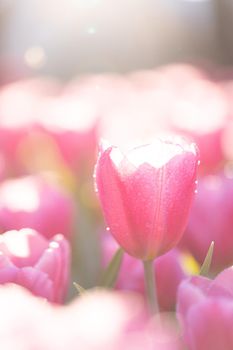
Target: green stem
[(149, 275)]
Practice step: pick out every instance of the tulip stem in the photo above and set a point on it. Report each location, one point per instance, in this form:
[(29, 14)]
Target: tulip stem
[(149, 275)]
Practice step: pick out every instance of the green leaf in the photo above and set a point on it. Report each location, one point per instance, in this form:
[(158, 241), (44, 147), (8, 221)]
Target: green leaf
[(111, 273), (79, 288), (204, 271)]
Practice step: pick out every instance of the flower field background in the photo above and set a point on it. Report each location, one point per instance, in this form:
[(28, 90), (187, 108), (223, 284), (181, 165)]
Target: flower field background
[(105, 174)]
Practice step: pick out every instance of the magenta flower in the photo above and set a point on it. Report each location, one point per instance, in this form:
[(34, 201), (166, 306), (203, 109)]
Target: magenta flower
[(146, 194), (33, 202), (198, 109), (99, 320), (74, 136), (42, 266), (211, 219), (19, 108), (206, 311)]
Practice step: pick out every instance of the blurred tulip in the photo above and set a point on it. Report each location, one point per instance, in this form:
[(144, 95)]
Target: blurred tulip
[(42, 266), (167, 268), (211, 219), (206, 310), (101, 92), (72, 125), (99, 320), (23, 320), (146, 194), (199, 110), (33, 202), (19, 106), (136, 113)]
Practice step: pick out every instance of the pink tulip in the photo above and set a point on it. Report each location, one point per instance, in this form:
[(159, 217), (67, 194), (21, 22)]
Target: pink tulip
[(99, 320), (146, 194), (19, 105), (198, 109), (42, 266), (72, 126), (101, 91), (211, 219), (167, 268), (206, 311), (110, 320), (33, 202)]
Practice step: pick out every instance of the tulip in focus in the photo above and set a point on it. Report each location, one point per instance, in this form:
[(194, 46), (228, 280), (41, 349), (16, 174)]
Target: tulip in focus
[(33, 202), (206, 311), (40, 265), (146, 194)]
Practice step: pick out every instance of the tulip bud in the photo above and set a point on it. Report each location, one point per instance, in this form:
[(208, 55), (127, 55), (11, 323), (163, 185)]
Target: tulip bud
[(146, 194)]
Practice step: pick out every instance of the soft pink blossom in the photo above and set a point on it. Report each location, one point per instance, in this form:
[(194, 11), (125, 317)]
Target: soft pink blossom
[(23, 320), (146, 194), (206, 311), (99, 320), (73, 127), (36, 203), (200, 112), (40, 265), (19, 107), (211, 219)]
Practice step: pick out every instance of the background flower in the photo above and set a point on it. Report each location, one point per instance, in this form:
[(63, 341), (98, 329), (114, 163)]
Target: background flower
[(40, 265), (206, 311), (211, 219), (35, 202)]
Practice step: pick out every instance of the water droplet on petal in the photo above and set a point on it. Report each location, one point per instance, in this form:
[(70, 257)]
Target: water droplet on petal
[(95, 187), (53, 245)]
